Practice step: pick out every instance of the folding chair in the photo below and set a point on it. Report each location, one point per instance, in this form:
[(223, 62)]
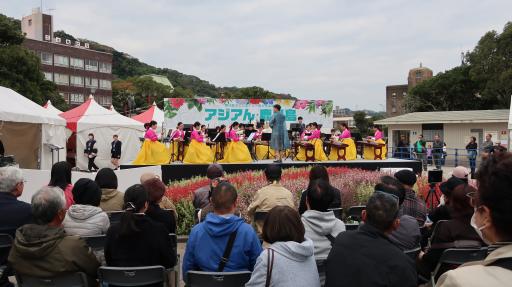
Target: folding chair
[(115, 216), (176, 268), (338, 212), (455, 257), (354, 212), (218, 279), (132, 276), (96, 242), (77, 279), (320, 266), (351, 226), (413, 253)]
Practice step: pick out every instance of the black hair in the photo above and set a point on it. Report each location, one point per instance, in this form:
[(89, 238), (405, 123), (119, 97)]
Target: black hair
[(222, 126), (179, 124), (277, 107), (223, 196), (203, 126), (91, 134), (273, 172), (234, 124), (146, 126), (300, 118), (152, 123), (377, 127), (320, 195), (197, 124), (106, 178), (135, 199), (87, 192), (381, 211), (115, 136), (344, 125), (318, 172), (214, 170), (391, 185), (259, 126), (333, 130), (60, 175)]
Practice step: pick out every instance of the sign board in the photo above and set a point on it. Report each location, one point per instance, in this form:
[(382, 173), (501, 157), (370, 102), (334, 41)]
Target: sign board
[(215, 112)]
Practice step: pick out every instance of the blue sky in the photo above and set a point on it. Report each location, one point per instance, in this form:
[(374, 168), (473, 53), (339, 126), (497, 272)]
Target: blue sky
[(346, 51)]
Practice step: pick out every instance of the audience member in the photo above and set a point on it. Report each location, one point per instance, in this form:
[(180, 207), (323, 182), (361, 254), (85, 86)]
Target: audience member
[(319, 172), (268, 197), (492, 219), (366, 257), (407, 235), (165, 203), (43, 249), (138, 240), (111, 198), (290, 257), (453, 233), (202, 194), (15, 212), (412, 205), (147, 176), (60, 176), (210, 240), (461, 173), (85, 217), (442, 212), (156, 190)]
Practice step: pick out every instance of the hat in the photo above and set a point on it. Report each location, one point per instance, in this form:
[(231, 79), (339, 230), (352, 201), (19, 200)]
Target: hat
[(460, 172), (448, 186), (406, 176)]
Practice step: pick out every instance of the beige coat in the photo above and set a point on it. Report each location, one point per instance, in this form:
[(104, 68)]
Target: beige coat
[(266, 198), (479, 274), (111, 200)]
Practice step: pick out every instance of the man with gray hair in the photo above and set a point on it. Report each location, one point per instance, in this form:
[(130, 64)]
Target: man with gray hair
[(15, 212), (366, 257), (43, 249)]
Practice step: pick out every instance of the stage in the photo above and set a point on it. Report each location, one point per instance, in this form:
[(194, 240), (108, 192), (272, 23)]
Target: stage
[(177, 171)]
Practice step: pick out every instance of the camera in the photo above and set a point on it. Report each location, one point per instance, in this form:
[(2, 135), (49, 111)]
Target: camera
[(435, 176)]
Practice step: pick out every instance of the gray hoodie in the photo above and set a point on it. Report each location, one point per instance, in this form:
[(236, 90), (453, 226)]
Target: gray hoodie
[(319, 224), (294, 266), (85, 220)]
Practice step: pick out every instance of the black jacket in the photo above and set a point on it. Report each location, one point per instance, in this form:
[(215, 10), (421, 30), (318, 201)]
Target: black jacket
[(150, 246), (89, 147), (336, 203), (2, 150), (164, 217), (366, 257), (15, 213), (115, 151)]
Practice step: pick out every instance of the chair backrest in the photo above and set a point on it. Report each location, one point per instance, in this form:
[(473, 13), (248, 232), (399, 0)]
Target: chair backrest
[(96, 242), (5, 247), (77, 279), (454, 257), (260, 215), (413, 253), (217, 279), (338, 212), (174, 240), (351, 226), (434, 231), (320, 265), (132, 276), (115, 216), (354, 212)]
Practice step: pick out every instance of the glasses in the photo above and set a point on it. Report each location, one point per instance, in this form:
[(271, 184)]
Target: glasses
[(473, 199)]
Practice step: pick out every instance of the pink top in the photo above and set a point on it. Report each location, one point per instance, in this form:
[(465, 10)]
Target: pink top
[(345, 134), (196, 136), (177, 134), (151, 135), (314, 135), (378, 135), (257, 136), (232, 136)]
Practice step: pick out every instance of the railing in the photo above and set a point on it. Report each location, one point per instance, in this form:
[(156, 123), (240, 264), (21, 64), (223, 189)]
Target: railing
[(448, 157)]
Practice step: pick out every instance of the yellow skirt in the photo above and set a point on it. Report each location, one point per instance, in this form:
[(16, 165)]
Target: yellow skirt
[(236, 152), (152, 153), (198, 153), (262, 150), (173, 149), (319, 151), (368, 151), (350, 151)]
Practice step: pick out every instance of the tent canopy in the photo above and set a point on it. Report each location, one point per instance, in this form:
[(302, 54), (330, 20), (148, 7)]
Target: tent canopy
[(151, 114), (48, 106)]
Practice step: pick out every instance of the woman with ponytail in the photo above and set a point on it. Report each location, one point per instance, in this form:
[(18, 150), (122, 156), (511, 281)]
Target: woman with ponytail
[(198, 152), (152, 152), (236, 151), (137, 240)]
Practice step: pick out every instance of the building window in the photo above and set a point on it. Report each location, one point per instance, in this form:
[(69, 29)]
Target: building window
[(61, 79), (46, 58), (77, 81), (105, 85), (91, 65), (65, 96), (76, 63), (75, 98), (105, 67), (62, 61), (48, 76), (91, 82)]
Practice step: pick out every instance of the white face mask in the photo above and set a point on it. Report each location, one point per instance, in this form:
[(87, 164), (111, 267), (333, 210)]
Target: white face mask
[(479, 229)]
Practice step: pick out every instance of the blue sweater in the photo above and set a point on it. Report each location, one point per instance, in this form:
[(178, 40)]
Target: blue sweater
[(207, 242)]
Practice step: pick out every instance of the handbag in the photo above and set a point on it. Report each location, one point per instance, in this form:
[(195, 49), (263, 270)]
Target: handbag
[(270, 265)]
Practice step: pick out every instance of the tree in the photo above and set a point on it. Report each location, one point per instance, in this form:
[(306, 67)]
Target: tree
[(361, 122)]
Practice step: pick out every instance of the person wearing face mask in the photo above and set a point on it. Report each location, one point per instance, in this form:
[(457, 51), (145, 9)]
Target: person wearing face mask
[(152, 151), (492, 219), (91, 152)]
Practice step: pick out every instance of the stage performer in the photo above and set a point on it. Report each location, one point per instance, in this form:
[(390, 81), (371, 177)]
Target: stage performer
[(198, 152), (368, 151), (91, 152), (346, 138), (263, 150), (115, 151), (314, 139), (236, 151), (152, 152), (279, 140), (302, 125), (176, 137)]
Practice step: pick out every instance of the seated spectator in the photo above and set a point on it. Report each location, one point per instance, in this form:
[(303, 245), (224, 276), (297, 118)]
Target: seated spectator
[(60, 176), (165, 203), (461, 173), (268, 197), (209, 240), (85, 217), (148, 175), (407, 235), (319, 172), (442, 212), (156, 190), (202, 194), (412, 205), (292, 262), (138, 240), (366, 257), (19, 212), (111, 198), (492, 219), (43, 249), (453, 233)]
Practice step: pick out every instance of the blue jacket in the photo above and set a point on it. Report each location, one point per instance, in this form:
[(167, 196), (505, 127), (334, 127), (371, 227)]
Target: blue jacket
[(207, 242), (15, 213)]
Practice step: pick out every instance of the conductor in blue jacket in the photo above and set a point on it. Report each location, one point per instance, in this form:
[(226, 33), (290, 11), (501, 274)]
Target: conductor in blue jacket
[(279, 140), (223, 242)]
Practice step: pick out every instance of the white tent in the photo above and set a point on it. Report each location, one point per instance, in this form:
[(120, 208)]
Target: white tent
[(90, 117), (52, 108), (26, 129), (152, 114)]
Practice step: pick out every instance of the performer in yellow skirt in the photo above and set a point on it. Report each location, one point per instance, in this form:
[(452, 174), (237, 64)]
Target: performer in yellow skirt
[(236, 151), (176, 138), (346, 138), (315, 140), (198, 152), (152, 152), (368, 152), (263, 150)]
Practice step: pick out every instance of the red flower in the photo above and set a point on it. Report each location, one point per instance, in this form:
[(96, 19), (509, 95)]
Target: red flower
[(176, 102), (255, 101)]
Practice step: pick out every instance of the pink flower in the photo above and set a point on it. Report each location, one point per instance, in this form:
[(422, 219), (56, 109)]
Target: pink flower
[(176, 102), (300, 104), (319, 103), (202, 101)]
